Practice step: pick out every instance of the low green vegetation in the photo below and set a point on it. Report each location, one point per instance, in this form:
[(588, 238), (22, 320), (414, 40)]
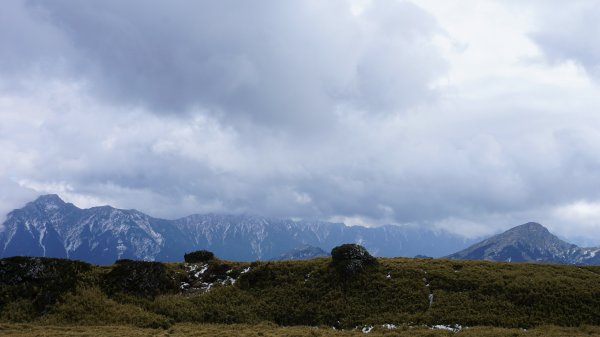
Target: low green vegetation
[(139, 278), (410, 294), (30, 287)]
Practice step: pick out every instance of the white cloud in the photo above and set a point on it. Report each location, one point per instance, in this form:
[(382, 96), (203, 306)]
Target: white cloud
[(582, 212)]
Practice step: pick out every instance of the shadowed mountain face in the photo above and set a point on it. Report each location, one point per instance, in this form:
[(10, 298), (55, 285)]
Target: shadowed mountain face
[(50, 227), (530, 242), (303, 252)]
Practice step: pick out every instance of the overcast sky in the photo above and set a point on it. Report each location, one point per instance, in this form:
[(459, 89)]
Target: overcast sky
[(473, 116)]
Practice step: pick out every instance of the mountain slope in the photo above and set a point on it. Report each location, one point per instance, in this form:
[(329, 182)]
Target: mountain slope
[(530, 242), (239, 237), (303, 252), (50, 227)]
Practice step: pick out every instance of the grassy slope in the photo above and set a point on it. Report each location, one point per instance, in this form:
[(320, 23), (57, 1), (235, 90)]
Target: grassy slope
[(470, 293)]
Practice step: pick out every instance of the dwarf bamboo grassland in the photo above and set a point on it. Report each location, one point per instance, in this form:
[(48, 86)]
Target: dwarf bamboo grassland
[(272, 298)]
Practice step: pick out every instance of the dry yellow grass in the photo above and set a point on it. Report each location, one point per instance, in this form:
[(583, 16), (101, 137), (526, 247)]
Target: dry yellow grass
[(269, 330)]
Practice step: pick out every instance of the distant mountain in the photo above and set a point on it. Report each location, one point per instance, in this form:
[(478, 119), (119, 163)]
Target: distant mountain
[(50, 227), (530, 242), (303, 252)]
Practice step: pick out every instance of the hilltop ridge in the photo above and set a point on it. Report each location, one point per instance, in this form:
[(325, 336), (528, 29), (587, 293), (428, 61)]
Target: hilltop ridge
[(392, 291)]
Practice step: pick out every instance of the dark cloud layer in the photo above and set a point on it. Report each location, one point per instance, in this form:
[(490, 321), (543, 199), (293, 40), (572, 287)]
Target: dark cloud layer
[(285, 64)]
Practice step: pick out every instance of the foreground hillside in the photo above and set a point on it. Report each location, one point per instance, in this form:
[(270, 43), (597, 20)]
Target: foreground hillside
[(399, 291)]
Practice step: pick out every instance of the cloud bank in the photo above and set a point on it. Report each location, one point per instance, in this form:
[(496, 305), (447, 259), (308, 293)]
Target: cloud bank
[(364, 112)]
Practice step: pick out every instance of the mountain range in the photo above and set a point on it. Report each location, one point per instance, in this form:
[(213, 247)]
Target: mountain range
[(51, 227)]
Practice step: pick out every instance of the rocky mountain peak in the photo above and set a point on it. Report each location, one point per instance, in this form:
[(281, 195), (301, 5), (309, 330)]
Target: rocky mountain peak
[(47, 203), (49, 199), (530, 227), (528, 233)]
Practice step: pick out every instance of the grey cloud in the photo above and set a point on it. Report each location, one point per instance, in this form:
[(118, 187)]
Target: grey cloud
[(390, 75), (29, 47), (273, 63), (415, 169), (568, 32)]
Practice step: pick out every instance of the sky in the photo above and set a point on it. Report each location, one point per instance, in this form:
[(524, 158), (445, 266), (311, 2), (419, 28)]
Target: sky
[(472, 116)]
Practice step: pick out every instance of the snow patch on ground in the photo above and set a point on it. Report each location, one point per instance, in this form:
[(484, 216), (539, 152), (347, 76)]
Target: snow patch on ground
[(367, 329), (430, 296), (201, 278), (453, 328), (201, 271)]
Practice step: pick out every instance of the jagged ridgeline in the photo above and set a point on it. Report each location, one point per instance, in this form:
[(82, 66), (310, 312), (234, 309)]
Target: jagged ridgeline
[(349, 289), (51, 227)]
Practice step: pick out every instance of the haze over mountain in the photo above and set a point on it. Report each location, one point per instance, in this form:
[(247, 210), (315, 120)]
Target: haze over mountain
[(50, 227), (530, 242)]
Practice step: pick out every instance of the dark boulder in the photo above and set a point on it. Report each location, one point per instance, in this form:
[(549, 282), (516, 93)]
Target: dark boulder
[(351, 259)]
